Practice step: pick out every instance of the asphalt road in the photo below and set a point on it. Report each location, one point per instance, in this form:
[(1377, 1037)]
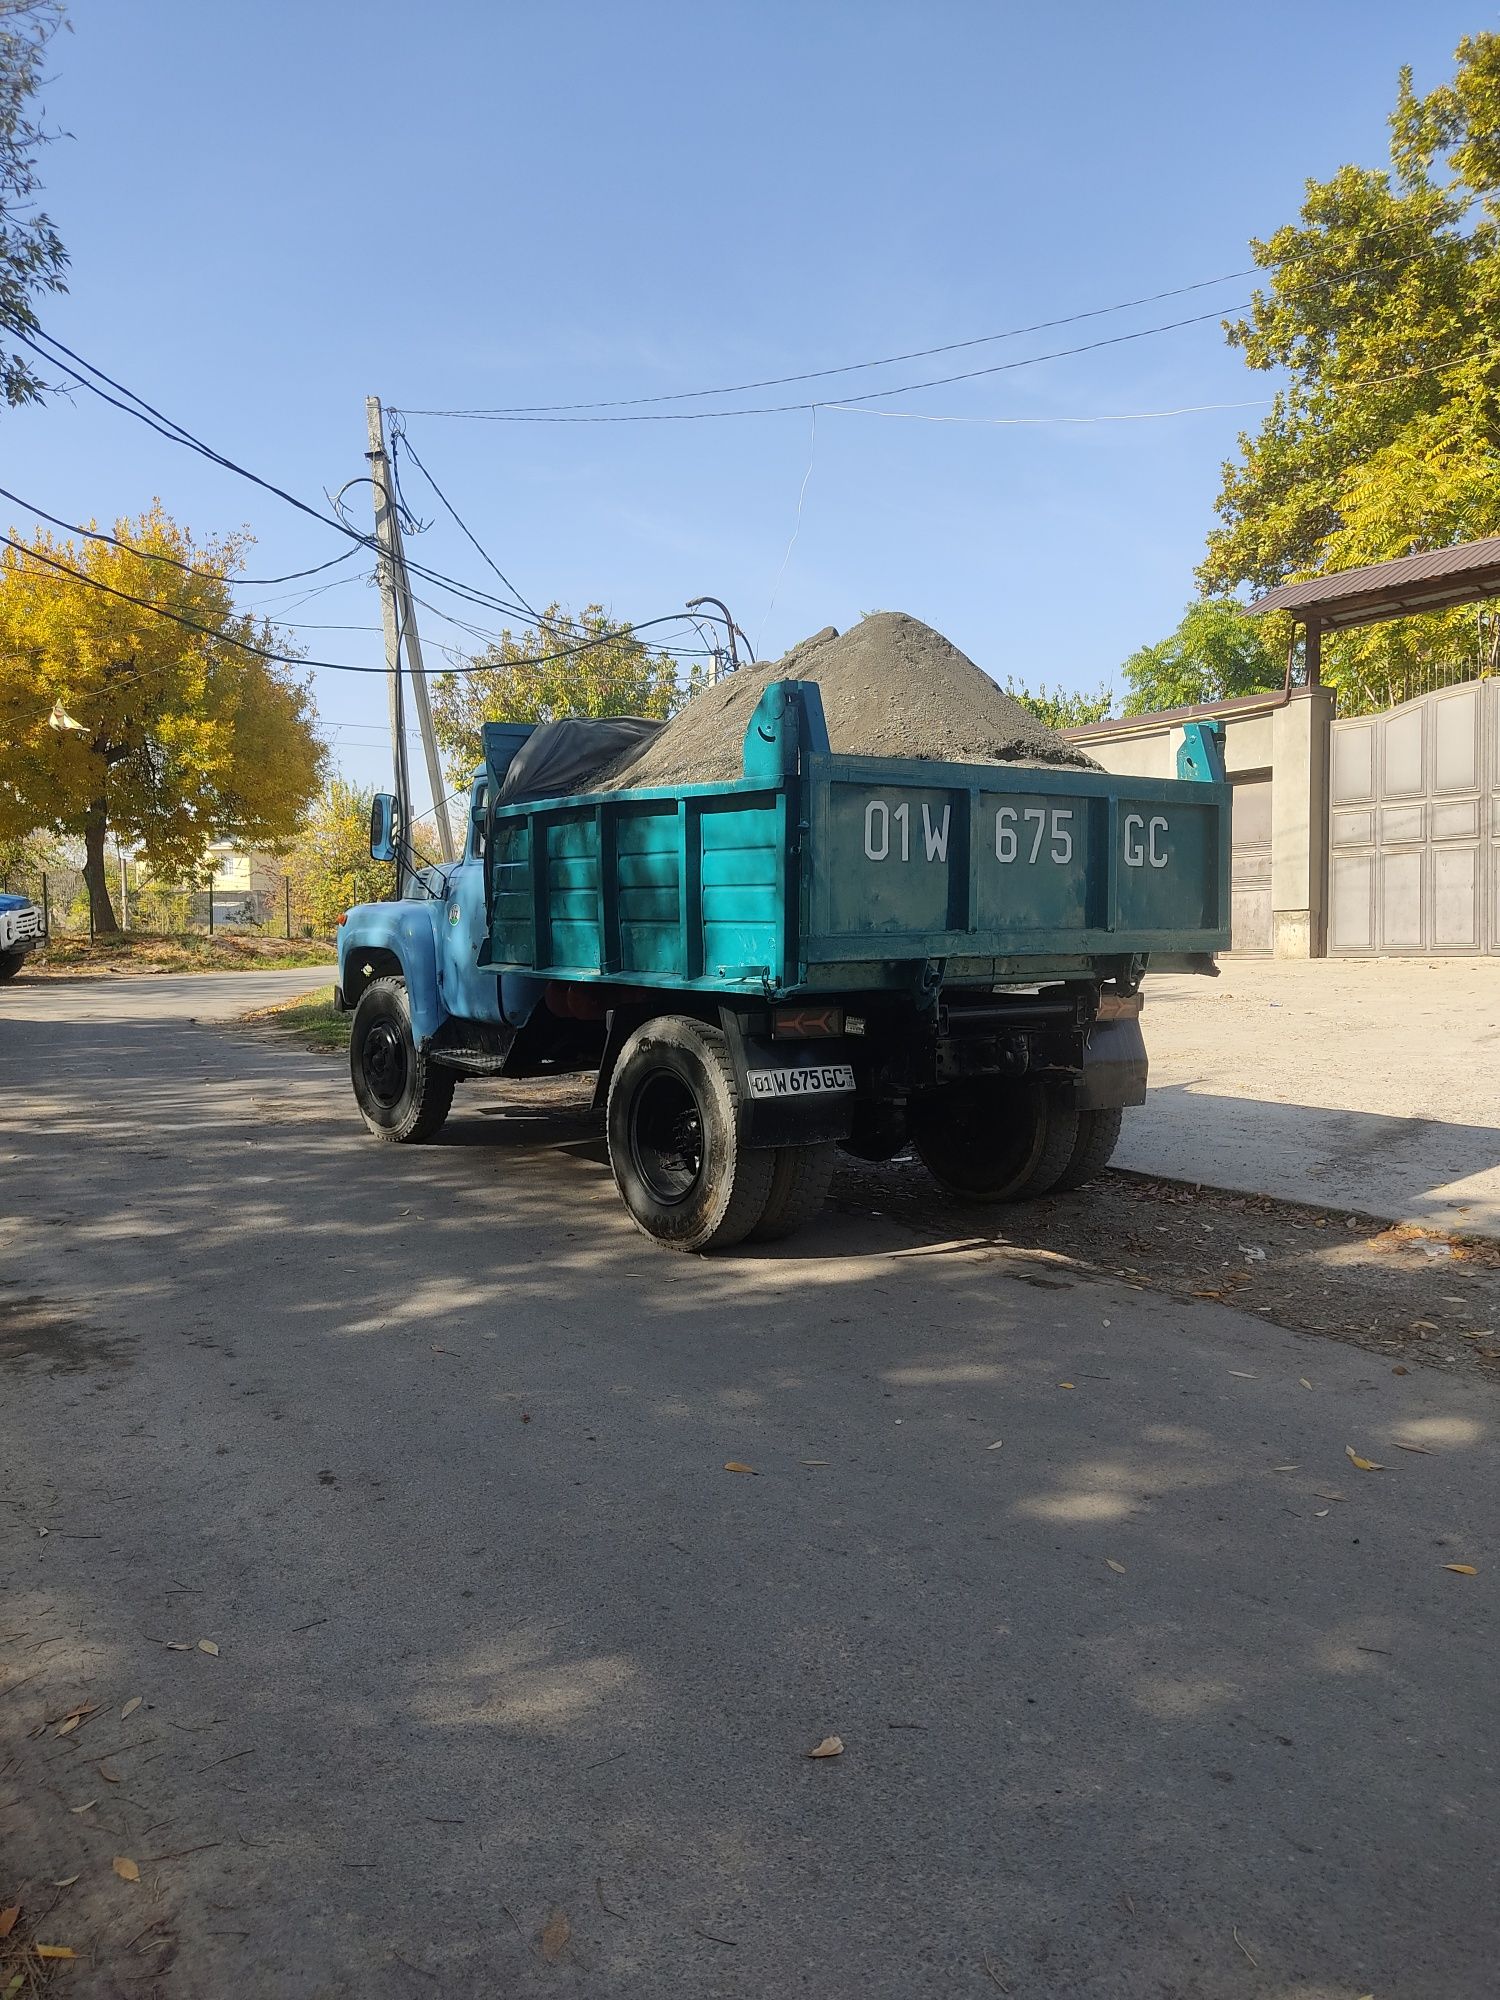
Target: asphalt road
[(515, 1681)]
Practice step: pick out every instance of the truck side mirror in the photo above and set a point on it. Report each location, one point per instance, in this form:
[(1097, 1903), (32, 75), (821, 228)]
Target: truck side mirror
[(385, 827)]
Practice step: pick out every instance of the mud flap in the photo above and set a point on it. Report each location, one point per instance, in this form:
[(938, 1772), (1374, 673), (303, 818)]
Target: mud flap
[(793, 1093), (1114, 1067)]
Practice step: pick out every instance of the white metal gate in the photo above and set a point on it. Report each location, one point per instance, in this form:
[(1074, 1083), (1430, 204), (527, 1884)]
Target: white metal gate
[(1414, 827)]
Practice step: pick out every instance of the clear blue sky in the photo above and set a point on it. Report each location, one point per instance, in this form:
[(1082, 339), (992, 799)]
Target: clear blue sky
[(275, 209)]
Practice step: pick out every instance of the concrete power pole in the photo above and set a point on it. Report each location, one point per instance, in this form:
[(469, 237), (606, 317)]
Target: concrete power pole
[(399, 618)]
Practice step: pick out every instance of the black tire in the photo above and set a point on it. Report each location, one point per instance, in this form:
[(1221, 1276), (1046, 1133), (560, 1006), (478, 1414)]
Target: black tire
[(799, 1187), (674, 1146), (10, 964), (994, 1141), (402, 1097), (1098, 1135)]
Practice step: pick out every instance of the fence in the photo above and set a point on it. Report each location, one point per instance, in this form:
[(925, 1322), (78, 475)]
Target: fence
[(266, 905)]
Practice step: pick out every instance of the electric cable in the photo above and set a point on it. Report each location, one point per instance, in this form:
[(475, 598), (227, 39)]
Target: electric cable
[(951, 346)]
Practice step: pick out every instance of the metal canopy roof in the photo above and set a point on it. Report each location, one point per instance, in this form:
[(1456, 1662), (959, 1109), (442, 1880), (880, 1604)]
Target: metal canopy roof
[(1432, 581)]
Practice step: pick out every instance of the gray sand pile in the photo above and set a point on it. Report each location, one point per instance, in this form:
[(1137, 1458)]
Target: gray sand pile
[(891, 687)]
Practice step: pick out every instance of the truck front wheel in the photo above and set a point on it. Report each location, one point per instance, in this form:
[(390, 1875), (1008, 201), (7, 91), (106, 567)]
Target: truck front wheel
[(674, 1144), (996, 1141), (10, 964), (402, 1096)]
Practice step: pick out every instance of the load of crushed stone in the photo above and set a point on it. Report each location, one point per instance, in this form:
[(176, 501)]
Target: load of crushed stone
[(891, 687)]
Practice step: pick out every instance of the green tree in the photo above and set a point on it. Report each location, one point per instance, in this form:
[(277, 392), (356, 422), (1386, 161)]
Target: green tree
[(1215, 652), (1063, 708), (330, 868), (32, 258), (1382, 309), (182, 736), (617, 675)]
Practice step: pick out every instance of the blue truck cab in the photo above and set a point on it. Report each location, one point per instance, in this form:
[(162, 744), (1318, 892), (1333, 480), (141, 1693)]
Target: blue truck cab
[(23, 929), (828, 951)]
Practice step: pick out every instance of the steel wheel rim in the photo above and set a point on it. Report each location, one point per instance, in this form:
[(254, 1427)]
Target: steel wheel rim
[(666, 1137), (384, 1064)]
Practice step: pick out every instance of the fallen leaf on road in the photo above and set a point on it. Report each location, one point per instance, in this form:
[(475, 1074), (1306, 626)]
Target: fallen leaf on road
[(1330, 1496), (130, 1707), (71, 1723), (813, 1461), (555, 1936), (1321, 1514), (1118, 1568), (55, 1951), (8, 1919), (996, 1445), (1304, 1381), (67, 1882), (109, 1774), (84, 1808), (1242, 1374), (1065, 1385), (179, 1645), (1462, 1569), (1286, 1468), (831, 1746), (1361, 1464), (1400, 1370), (1413, 1447), (125, 1868), (208, 1646), (733, 1465)]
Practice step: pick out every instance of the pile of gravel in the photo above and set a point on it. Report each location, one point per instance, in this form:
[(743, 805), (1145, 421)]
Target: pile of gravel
[(891, 687)]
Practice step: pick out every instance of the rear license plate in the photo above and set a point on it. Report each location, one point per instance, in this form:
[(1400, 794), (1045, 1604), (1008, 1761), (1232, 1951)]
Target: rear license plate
[(801, 1082)]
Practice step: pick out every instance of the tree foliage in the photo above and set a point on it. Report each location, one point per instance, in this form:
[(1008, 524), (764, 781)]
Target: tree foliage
[(185, 737), (618, 675), (1215, 652), (32, 258), (330, 868), (1382, 308), (1063, 708)]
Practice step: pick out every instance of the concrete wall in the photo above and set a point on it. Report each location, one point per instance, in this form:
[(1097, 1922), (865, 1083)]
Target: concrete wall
[(1287, 740)]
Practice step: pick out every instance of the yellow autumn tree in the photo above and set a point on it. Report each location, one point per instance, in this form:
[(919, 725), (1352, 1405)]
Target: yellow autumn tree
[(183, 735)]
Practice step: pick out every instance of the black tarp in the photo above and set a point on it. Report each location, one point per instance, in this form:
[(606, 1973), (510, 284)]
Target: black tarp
[(560, 757)]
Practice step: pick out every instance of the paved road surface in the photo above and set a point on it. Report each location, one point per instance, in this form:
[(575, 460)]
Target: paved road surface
[(431, 1445), (1364, 1083)]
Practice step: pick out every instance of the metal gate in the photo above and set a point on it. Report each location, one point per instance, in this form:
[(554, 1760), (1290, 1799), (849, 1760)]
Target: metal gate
[(1250, 864), (1414, 827)]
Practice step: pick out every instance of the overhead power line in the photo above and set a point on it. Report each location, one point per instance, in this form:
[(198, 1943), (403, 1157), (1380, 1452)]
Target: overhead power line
[(331, 666), (519, 410)]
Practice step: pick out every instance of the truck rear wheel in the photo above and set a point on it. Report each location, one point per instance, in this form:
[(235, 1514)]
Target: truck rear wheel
[(674, 1144), (994, 1141), (402, 1096), (1098, 1135), (799, 1187)]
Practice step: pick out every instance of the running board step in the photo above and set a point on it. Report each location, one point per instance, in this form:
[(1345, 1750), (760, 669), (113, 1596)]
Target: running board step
[(469, 1062)]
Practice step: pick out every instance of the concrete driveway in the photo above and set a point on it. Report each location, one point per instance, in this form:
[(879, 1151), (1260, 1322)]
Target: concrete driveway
[(1144, 1688), (1368, 1084)]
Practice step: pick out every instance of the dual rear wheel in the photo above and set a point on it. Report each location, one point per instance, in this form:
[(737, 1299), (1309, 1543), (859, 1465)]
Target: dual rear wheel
[(993, 1140)]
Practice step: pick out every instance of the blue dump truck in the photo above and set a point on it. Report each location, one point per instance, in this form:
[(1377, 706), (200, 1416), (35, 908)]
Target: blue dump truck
[(22, 929), (830, 951)]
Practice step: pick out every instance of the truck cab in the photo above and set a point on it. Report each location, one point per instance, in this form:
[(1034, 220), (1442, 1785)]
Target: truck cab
[(23, 929)]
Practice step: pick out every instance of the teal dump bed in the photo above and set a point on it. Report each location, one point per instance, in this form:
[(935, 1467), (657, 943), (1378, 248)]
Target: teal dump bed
[(835, 873)]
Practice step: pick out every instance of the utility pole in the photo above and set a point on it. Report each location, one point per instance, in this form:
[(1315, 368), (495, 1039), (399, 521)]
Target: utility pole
[(399, 619)]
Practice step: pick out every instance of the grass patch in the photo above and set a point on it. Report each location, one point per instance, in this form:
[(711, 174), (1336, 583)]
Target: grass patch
[(192, 951), (310, 1018)]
